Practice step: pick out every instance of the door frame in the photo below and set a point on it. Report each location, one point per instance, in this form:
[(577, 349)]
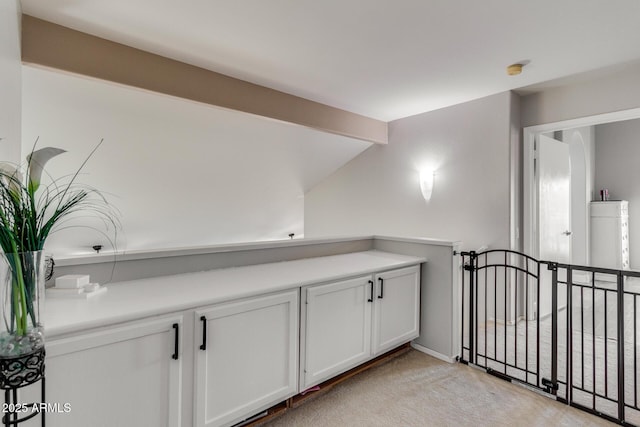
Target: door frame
[(529, 192)]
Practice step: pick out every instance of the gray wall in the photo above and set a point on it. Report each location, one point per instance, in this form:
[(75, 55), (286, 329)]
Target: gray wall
[(439, 294), (109, 269), (616, 168), (10, 81), (378, 192)]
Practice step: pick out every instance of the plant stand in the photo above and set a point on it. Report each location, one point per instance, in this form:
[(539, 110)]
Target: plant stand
[(15, 373)]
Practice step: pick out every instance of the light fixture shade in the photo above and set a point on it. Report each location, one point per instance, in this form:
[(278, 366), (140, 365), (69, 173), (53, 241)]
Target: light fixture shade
[(426, 183)]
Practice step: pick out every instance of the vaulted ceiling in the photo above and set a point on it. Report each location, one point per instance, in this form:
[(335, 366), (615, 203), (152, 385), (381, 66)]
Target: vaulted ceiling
[(383, 59)]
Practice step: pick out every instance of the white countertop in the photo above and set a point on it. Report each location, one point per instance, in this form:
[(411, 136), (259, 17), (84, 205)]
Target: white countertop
[(138, 299)]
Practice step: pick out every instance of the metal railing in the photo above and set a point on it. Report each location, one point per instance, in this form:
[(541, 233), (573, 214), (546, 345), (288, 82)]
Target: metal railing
[(569, 331)]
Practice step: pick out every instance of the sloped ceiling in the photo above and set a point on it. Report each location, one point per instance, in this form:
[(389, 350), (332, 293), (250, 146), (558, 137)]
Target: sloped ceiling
[(181, 173)]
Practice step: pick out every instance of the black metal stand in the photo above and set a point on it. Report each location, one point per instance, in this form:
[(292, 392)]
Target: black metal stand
[(18, 372)]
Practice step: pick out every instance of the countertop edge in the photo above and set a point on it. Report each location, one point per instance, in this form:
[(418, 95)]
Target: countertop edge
[(234, 247)]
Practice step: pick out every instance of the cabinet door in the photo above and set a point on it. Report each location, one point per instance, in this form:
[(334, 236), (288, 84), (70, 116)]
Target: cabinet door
[(337, 329), (122, 376), (397, 308), (247, 357)]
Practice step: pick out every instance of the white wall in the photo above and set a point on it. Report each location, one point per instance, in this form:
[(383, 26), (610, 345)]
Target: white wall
[(378, 192), (181, 173), (10, 81), (616, 168)]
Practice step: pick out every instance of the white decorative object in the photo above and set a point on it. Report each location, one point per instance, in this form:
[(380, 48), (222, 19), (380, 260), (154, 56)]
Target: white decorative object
[(91, 287), (72, 281)]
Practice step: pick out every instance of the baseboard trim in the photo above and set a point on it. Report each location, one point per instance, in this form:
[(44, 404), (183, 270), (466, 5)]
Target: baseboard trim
[(433, 353)]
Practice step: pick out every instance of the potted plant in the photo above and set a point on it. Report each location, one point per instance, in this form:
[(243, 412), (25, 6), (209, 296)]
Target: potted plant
[(29, 213)]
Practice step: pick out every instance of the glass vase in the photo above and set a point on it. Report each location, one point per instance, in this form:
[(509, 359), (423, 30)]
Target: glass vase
[(22, 293)]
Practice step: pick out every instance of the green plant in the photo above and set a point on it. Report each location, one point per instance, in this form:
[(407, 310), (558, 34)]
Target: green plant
[(29, 213)]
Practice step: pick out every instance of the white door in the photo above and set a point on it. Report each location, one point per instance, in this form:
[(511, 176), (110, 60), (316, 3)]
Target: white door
[(336, 329), (397, 309), (554, 200), (247, 357), (554, 215), (127, 376)]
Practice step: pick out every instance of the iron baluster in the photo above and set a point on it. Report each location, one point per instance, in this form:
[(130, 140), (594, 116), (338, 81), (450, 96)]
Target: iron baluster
[(505, 312), (620, 287), (606, 348), (471, 269), (593, 342), (462, 359), (552, 385), (569, 368), (537, 314)]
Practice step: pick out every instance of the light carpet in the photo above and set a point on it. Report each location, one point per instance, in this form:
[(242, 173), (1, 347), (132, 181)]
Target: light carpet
[(418, 390)]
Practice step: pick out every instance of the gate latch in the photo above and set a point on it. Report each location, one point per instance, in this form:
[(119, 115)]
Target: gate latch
[(550, 385)]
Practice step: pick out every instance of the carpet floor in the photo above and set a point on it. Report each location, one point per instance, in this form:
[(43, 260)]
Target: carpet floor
[(418, 390)]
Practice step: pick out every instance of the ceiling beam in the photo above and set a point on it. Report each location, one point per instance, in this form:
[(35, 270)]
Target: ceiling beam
[(54, 46)]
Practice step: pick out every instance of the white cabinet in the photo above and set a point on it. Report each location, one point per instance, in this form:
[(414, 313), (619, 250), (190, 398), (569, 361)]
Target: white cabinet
[(336, 320), (610, 234), (397, 309), (222, 363), (348, 322), (247, 357), (127, 376)]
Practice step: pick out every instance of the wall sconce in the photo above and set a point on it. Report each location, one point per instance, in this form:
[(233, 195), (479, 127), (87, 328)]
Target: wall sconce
[(426, 183)]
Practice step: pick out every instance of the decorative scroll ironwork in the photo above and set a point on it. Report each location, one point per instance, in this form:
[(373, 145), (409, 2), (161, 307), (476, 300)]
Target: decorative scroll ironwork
[(16, 372)]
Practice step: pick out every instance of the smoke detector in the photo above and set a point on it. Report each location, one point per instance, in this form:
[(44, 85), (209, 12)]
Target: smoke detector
[(514, 69)]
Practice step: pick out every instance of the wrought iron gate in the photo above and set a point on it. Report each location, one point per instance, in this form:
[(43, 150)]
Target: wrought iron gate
[(569, 331)]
